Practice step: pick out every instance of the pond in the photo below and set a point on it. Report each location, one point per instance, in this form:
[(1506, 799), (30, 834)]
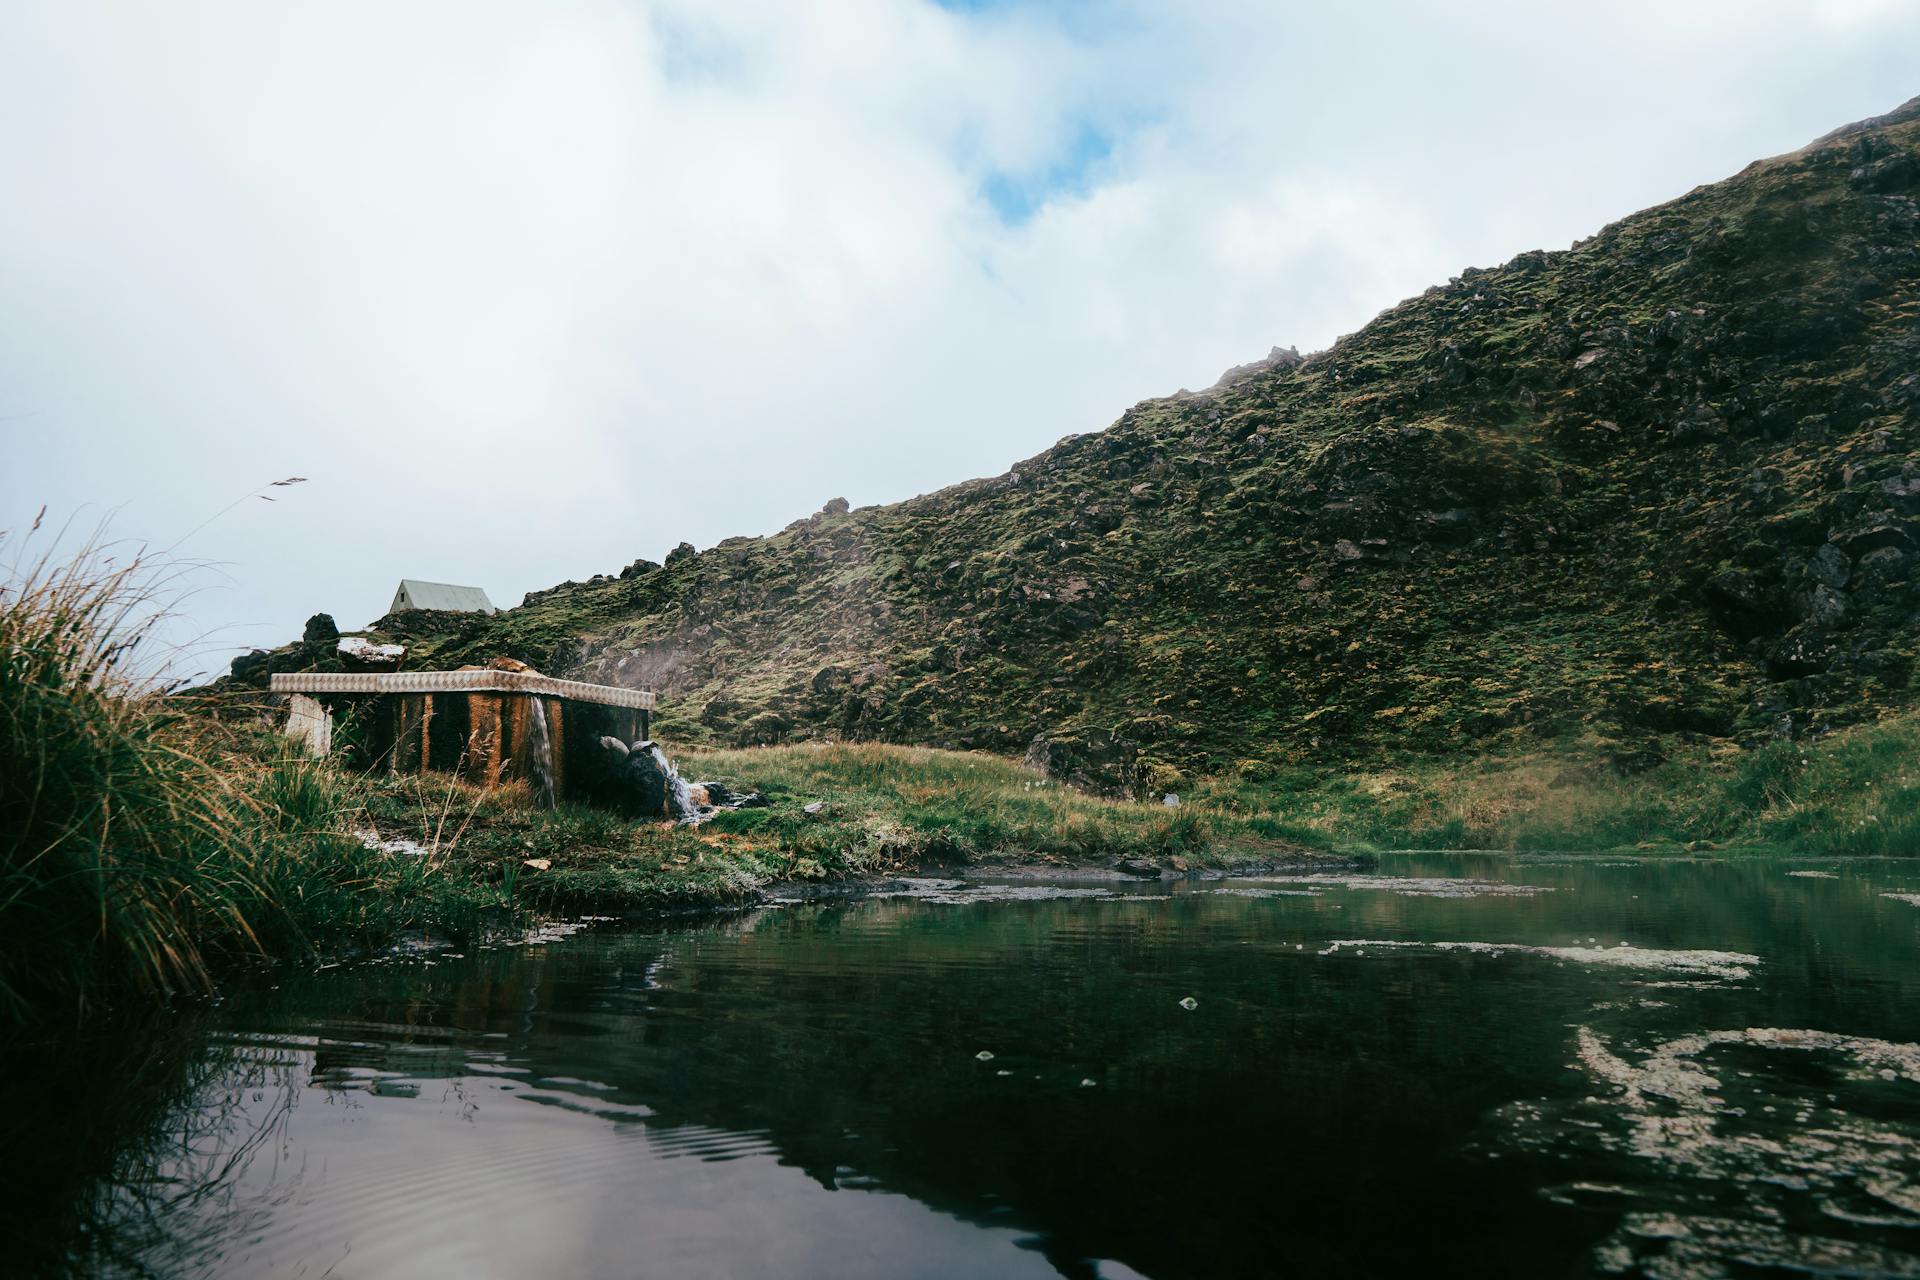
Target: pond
[(1446, 1065)]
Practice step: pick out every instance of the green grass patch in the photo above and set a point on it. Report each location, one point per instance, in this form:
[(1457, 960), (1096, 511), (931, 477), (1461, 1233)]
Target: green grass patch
[(833, 812), (1855, 792)]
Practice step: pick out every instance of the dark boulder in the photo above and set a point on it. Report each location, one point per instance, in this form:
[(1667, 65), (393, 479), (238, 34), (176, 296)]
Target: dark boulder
[(720, 796), (1739, 601), (320, 632), (1804, 651), (1881, 569), (1829, 567), (645, 783), (1902, 493), (249, 667), (1896, 172), (1452, 525), (1871, 535), (1098, 761), (1822, 606)]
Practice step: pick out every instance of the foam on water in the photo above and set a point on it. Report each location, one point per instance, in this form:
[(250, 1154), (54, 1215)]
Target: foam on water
[(1748, 1140), (1413, 886), (1252, 892), (1725, 965)]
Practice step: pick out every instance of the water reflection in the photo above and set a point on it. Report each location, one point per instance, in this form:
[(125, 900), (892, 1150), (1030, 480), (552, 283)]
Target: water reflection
[(926, 1085), (123, 1151)]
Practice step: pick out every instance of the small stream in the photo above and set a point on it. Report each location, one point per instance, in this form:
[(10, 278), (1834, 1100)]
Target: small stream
[(1449, 1066)]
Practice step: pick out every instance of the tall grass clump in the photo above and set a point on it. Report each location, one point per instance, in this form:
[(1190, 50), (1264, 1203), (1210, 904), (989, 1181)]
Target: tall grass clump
[(143, 843)]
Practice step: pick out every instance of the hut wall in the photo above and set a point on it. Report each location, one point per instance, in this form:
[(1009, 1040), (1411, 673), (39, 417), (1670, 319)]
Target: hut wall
[(484, 737)]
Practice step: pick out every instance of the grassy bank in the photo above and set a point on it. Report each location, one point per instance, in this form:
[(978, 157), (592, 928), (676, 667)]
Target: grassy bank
[(145, 844), (1853, 793), (880, 810)]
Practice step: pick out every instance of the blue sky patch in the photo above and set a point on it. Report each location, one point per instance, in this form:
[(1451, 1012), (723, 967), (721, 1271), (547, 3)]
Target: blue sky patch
[(1017, 197)]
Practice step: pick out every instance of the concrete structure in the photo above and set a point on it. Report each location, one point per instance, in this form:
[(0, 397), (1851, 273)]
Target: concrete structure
[(416, 594), (484, 724)]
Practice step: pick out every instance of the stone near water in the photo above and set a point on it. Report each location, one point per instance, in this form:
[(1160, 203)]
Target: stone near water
[(1189, 1004), (646, 785)]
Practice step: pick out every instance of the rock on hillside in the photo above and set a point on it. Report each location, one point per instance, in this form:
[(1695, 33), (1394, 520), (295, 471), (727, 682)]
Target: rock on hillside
[(1661, 483)]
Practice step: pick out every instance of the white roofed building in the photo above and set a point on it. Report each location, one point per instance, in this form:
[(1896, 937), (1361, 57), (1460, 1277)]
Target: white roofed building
[(416, 594)]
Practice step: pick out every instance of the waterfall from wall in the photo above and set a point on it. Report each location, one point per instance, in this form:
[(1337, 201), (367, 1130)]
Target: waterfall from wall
[(678, 799), (540, 743)]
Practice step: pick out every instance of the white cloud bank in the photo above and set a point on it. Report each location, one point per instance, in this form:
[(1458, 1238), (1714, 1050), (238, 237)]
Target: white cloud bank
[(529, 290)]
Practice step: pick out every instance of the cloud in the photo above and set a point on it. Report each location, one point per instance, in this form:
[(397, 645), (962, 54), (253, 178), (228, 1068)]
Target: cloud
[(532, 290)]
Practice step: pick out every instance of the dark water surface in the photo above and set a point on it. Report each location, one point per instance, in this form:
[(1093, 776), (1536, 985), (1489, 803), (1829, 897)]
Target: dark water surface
[(981, 1083)]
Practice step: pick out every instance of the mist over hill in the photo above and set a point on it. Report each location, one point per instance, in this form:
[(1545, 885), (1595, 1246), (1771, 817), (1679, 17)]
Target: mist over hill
[(1659, 486)]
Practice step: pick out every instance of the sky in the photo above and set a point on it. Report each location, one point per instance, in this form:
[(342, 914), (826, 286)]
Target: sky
[(527, 291)]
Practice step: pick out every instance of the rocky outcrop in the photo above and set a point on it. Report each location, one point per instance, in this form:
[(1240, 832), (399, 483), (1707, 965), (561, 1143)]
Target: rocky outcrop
[(1094, 760)]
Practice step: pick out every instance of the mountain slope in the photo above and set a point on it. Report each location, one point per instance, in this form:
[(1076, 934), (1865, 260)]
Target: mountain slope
[(1660, 483)]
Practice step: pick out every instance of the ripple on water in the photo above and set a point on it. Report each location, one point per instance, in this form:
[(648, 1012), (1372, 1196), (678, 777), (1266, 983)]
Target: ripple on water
[(1785, 1149)]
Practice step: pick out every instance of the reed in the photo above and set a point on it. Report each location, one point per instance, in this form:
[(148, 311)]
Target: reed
[(144, 842)]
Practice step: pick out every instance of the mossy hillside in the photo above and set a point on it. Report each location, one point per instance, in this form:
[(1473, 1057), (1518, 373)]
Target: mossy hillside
[(1655, 490)]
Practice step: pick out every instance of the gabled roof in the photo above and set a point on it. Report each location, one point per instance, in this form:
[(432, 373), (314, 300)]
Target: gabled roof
[(442, 595)]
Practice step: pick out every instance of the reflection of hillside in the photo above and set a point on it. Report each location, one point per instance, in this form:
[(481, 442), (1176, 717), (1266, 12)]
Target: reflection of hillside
[(1314, 1114), (1274, 1118)]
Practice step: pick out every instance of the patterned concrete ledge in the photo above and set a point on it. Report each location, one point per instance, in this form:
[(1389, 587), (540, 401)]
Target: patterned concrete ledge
[(481, 681)]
